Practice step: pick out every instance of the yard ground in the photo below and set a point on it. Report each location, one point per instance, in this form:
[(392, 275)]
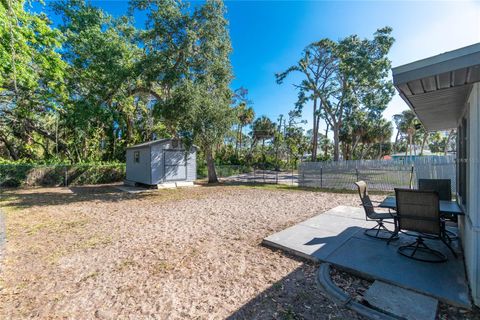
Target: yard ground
[(96, 252)]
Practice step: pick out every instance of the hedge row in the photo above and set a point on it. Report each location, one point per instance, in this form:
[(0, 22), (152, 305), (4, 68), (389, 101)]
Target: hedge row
[(18, 175)]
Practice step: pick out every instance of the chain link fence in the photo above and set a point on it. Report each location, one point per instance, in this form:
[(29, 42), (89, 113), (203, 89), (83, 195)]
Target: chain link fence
[(380, 175), (31, 175)]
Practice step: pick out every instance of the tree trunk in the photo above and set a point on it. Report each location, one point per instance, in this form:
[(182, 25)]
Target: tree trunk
[(354, 147), (10, 148), (380, 150), (326, 141), (315, 131), (425, 137), (408, 145), (240, 138), (212, 173), (396, 141), (362, 151), (411, 144), (445, 151), (336, 141)]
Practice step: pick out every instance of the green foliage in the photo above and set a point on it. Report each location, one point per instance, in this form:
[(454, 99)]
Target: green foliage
[(343, 77), (31, 80), (87, 90), (198, 107), (33, 174)]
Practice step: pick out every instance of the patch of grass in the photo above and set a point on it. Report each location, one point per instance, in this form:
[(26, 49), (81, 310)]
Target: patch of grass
[(91, 275), (52, 226), (126, 264), (160, 267), (95, 241)]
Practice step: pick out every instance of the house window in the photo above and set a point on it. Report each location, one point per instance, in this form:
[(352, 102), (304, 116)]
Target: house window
[(462, 154), (136, 157)]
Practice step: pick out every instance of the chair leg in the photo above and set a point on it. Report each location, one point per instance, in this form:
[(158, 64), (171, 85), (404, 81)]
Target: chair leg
[(394, 233), (449, 247), (376, 231), (394, 236), (419, 245)]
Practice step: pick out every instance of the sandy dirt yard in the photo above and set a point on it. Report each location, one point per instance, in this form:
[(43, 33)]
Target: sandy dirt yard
[(96, 252)]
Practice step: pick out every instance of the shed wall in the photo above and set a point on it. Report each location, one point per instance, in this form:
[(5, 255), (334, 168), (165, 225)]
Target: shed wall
[(192, 165), (138, 172), (158, 162)]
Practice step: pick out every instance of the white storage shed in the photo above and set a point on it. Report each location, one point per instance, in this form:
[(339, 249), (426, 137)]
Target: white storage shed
[(161, 161)]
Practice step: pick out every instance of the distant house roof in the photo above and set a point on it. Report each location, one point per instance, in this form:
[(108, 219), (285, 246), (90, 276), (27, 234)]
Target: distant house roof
[(150, 143), (426, 153), (436, 88)]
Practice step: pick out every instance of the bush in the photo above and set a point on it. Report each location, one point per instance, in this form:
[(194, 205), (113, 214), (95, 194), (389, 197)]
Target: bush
[(30, 174)]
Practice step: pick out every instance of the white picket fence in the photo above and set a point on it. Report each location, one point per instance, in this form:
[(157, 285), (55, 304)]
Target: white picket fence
[(381, 175)]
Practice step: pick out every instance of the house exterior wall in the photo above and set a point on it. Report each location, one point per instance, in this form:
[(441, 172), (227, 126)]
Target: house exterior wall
[(138, 172), (470, 223)]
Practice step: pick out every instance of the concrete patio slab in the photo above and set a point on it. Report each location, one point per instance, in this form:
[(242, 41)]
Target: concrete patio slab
[(133, 190), (375, 259), (336, 236), (402, 303), (304, 241)]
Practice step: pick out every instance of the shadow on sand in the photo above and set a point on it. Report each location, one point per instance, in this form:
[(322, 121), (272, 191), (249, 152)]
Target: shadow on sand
[(24, 198), (295, 296)]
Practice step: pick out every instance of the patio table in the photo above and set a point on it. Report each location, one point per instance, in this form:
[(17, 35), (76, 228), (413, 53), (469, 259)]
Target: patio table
[(446, 207)]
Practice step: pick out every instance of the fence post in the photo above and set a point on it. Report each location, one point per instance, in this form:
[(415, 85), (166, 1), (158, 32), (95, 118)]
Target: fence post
[(276, 176), (321, 177), (254, 177), (411, 177), (356, 172)]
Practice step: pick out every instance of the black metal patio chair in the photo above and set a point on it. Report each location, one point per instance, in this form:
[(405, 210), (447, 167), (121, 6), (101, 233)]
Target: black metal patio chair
[(444, 189), (379, 231), (442, 186), (419, 211)]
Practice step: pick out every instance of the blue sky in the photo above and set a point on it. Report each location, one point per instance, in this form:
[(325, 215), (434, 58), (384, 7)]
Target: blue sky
[(269, 36)]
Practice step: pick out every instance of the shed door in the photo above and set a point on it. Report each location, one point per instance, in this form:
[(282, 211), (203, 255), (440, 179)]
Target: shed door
[(175, 165)]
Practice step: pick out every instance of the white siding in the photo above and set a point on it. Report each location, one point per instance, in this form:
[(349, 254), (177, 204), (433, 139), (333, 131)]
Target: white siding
[(139, 172), (470, 224)]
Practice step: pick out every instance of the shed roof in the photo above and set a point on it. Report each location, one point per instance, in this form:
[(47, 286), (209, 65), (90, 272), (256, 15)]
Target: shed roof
[(436, 88), (150, 143)]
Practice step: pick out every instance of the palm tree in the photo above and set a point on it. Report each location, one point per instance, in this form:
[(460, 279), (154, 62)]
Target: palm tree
[(245, 116), (407, 124), (244, 113), (263, 129)]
